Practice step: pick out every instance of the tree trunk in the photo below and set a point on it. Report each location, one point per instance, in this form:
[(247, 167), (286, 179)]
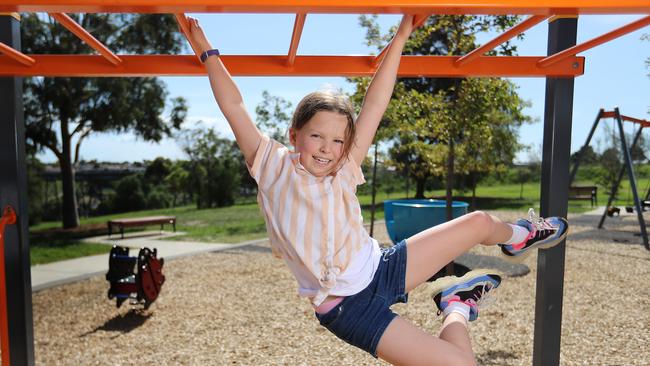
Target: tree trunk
[(450, 179), (70, 214), (420, 184)]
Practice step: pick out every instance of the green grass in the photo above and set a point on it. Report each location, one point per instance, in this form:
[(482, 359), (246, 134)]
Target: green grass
[(63, 250), (244, 221)]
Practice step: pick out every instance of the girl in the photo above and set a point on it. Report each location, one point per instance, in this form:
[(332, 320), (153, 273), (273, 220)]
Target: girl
[(314, 222)]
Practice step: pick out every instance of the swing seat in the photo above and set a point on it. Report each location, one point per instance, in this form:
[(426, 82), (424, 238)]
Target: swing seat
[(143, 286)]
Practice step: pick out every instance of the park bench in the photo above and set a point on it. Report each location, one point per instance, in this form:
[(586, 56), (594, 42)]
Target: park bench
[(139, 222), (586, 193)]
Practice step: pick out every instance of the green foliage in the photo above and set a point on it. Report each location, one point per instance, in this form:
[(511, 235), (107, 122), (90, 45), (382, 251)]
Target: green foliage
[(79, 106), (214, 167), (129, 195), (273, 115), (473, 121)]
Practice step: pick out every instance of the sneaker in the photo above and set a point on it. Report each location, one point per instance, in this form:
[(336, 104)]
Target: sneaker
[(544, 233), (471, 289)]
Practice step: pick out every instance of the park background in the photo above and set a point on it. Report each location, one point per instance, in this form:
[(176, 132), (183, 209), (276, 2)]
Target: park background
[(616, 75)]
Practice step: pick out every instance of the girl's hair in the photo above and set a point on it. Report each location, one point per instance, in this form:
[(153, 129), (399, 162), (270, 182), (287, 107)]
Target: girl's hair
[(326, 101)]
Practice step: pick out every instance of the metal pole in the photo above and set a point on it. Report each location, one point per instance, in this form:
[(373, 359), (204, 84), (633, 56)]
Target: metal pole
[(574, 170), (630, 174), (554, 198), (618, 182), (13, 192)]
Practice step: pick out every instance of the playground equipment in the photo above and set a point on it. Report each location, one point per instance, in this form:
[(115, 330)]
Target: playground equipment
[(626, 149), (560, 66), (143, 286), (405, 218), (8, 218)]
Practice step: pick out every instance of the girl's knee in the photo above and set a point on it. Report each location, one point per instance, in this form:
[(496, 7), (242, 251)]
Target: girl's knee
[(481, 220)]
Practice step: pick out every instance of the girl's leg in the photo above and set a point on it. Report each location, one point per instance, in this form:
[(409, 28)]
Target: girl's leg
[(404, 344), (433, 248)]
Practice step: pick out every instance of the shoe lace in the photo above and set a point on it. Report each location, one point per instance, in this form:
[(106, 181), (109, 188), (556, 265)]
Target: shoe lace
[(482, 298), (539, 222)]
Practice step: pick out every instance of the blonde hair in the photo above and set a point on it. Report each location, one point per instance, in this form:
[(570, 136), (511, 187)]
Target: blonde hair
[(326, 101)]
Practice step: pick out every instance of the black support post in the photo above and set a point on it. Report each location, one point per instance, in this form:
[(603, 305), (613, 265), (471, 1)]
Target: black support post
[(13, 191), (630, 174), (556, 153)]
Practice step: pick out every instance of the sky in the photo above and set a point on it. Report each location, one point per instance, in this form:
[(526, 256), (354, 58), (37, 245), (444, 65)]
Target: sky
[(615, 76)]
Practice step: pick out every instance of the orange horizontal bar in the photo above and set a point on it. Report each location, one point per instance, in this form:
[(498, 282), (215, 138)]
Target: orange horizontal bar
[(569, 52), (16, 56), (93, 42), (170, 65), (510, 33), (295, 38), (546, 7)]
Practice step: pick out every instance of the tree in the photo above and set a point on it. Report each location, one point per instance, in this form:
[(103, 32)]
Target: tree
[(611, 163), (589, 156), (76, 107), (214, 161), (273, 115), (441, 126)]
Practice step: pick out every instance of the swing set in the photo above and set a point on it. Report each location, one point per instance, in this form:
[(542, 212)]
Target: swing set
[(639, 204), (560, 66)]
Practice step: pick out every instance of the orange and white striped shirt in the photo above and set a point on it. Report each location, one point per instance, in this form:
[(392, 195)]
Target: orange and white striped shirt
[(314, 223)]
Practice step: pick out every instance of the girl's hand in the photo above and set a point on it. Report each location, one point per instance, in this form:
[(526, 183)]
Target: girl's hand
[(405, 27), (197, 35)]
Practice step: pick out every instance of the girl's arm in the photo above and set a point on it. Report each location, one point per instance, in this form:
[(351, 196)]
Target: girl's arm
[(228, 97), (379, 92)]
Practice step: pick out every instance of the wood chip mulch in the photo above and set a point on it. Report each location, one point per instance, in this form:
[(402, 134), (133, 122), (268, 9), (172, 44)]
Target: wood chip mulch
[(240, 307)]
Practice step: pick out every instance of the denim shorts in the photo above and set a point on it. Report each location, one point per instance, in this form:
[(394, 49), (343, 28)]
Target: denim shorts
[(361, 319)]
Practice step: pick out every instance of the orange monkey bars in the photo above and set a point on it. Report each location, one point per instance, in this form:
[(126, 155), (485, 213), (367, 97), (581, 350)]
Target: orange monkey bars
[(561, 64), (8, 218), (460, 7)]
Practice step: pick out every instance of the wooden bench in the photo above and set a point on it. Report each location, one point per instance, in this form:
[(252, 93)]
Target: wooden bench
[(140, 221), (587, 193)]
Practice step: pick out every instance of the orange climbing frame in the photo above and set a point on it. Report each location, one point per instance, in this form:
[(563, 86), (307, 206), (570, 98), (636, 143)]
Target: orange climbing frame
[(562, 64), (8, 218)]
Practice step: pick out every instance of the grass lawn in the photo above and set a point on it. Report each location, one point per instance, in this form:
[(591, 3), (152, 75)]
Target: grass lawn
[(244, 221)]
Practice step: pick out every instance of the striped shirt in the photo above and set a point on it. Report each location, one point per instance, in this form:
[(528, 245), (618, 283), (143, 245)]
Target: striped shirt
[(314, 223)]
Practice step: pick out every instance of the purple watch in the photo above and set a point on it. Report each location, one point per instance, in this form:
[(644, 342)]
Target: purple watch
[(204, 56)]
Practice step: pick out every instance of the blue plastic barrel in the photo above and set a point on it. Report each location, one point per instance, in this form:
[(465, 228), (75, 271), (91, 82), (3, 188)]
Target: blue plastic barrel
[(405, 218)]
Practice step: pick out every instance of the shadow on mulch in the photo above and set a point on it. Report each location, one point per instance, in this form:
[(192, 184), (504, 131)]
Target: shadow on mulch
[(122, 323), (495, 357)]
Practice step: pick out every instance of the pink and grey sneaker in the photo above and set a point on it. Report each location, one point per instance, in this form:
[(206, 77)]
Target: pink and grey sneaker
[(544, 233), (471, 289)]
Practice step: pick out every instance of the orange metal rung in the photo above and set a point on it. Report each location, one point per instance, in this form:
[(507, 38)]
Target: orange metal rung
[(512, 32), (595, 41), (347, 66), (16, 56), (8, 218), (295, 38), (93, 42)]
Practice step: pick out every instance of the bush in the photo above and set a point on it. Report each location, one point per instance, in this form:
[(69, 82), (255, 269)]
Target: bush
[(129, 195), (158, 197)]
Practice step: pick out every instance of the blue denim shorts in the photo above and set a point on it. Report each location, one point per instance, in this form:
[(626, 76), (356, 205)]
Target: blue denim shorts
[(361, 319)]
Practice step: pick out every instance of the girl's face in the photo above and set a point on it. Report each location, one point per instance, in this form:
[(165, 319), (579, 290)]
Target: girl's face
[(320, 142)]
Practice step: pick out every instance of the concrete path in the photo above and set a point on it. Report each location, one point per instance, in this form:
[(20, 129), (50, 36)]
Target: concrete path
[(58, 273)]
